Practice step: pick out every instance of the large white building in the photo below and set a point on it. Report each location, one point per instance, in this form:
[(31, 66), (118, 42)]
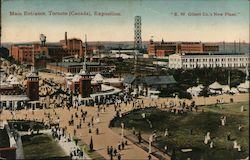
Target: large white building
[(207, 60)]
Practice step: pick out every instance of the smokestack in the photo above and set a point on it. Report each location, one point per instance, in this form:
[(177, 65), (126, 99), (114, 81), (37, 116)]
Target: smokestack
[(234, 46), (224, 49), (66, 39), (239, 45)]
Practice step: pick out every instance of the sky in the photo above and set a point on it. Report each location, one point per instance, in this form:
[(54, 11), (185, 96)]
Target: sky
[(172, 20)]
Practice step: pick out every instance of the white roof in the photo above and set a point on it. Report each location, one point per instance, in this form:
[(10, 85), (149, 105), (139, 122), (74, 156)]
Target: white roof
[(113, 80), (13, 80), (76, 78), (195, 89), (244, 85), (106, 90), (69, 74), (154, 91), (234, 90), (98, 78), (225, 88), (215, 85), (14, 98), (106, 87)]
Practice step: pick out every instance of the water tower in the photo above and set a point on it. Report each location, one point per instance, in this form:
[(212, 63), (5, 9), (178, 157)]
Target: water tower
[(42, 39)]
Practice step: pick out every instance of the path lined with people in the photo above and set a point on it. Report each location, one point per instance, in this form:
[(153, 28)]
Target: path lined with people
[(82, 122)]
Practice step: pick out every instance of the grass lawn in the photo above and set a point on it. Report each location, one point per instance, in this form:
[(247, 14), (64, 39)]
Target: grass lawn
[(41, 147), (179, 127)]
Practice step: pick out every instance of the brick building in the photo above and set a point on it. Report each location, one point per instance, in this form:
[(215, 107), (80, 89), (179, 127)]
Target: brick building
[(38, 55), (75, 67), (28, 54), (163, 49), (73, 47)]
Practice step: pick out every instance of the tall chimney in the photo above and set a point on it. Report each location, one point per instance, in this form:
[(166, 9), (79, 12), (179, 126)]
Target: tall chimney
[(234, 46), (66, 39), (224, 49), (239, 45)]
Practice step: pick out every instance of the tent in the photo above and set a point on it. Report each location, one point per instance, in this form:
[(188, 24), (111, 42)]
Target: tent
[(234, 90), (215, 86), (97, 79), (225, 88), (243, 87), (195, 91)]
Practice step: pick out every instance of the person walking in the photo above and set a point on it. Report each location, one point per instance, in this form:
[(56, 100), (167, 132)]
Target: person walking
[(97, 131), (108, 150), (119, 157)]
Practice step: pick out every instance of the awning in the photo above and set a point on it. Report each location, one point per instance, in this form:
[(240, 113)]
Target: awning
[(13, 98)]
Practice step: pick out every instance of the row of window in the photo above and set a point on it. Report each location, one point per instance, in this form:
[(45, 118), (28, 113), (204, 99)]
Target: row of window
[(213, 59), (30, 51), (210, 65)]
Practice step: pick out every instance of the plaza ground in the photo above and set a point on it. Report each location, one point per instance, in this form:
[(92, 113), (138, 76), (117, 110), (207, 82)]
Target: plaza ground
[(107, 136)]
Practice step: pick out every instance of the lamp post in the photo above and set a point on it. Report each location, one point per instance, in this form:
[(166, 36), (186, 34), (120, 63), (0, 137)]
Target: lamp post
[(150, 144), (122, 125)]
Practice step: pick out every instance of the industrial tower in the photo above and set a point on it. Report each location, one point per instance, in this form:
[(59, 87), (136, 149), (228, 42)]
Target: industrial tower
[(137, 40), (137, 33)]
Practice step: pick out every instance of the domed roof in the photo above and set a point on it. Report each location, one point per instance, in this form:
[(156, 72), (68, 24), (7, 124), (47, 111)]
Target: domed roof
[(98, 78), (12, 80), (69, 74), (76, 78)]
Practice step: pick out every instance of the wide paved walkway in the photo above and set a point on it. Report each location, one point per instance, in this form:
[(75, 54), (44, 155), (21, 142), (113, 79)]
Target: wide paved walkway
[(108, 137)]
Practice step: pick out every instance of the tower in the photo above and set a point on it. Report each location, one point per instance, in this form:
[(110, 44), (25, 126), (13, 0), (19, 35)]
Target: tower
[(42, 39), (66, 38), (137, 33), (137, 40), (32, 90), (85, 81)]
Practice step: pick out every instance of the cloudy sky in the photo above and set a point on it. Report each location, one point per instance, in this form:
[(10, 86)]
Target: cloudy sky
[(172, 20)]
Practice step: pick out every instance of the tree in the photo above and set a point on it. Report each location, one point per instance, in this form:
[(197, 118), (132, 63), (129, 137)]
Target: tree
[(204, 92), (173, 156), (91, 146)]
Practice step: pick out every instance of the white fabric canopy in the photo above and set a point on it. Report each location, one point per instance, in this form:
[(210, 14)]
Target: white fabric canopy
[(97, 79), (244, 87), (215, 85)]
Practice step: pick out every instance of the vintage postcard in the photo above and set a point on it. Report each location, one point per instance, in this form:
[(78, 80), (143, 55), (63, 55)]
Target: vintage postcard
[(124, 79)]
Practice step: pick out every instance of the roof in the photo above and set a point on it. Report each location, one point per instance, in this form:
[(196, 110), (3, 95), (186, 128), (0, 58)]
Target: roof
[(98, 78), (158, 80), (76, 78), (106, 90), (244, 85), (150, 80), (129, 79), (14, 98), (213, 53), (215, 85), (72, 64)]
